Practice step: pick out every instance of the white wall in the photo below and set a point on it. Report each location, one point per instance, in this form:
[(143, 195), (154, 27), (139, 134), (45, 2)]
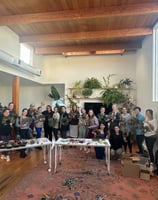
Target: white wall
[(9, 42), (144, 76), (71, 69), (37, 94), (5, 95)]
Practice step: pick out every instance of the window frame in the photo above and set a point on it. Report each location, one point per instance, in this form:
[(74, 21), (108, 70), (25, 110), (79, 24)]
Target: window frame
[(30, 62)]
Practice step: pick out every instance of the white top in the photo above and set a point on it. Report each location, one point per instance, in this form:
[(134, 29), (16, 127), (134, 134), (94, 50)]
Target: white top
[(151, 123)]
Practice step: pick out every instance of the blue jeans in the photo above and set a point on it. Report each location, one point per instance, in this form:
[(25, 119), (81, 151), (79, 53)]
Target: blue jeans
[(39, 131), (140, 140), (150, 141), (5, 138)]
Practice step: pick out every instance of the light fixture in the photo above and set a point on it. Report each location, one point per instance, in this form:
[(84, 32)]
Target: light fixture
[(99, 52)]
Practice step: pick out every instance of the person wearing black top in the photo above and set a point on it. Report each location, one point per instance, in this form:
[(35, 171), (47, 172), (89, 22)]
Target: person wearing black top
[(64, 122), (115, 117), (116, 141), (102, 118), (5, 131), (48, 113), (74, 119), (100, 134), (13, 117)]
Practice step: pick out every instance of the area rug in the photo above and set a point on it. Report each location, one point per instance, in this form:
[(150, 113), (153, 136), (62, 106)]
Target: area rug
[(82, 177)]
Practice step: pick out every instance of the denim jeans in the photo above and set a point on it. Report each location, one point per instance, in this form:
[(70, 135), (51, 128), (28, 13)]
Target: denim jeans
[(140, 140), (150, 141)]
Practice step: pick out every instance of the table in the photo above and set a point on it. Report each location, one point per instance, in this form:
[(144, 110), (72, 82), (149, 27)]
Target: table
[(32, 143), (82, 142)]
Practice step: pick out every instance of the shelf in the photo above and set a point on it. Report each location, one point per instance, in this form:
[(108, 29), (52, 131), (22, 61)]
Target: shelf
[(83, 98), (76, 93), (102, 88)]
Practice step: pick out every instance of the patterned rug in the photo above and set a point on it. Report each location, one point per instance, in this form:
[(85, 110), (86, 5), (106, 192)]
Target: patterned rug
[(82, 177)]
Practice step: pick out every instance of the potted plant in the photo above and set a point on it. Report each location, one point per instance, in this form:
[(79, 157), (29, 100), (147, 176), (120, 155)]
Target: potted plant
[(71, 101), (126, 82), (107, 80), (92, 83), (54, 94), (111, 96), (87, 92), (77, 89)]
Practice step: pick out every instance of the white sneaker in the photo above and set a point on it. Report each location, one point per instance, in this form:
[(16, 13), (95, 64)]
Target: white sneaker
[(8, 158), (88, 151), (81, 148), (3, 157), (85, 148)]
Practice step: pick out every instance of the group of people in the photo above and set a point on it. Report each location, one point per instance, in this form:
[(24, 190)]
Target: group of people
[(120, 127)]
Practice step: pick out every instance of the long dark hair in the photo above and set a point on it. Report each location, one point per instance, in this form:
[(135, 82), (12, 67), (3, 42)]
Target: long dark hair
[(150, 111)]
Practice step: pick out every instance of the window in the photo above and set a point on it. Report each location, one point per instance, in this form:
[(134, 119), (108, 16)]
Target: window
[(155, 64), (26, 54)]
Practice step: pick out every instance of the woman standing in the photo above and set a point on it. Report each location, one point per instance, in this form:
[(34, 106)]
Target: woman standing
[(5, 131), (74, 119), (82, 124), (115, 118), (64, 122), (101, 133), (39, 120), (13, 117), (92, 125), (55, 122), (48, 113), (23, 123), (150, 125), (125, 127)]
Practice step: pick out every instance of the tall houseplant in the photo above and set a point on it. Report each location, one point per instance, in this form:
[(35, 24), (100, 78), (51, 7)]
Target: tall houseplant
[(54, 94), (111, 96)]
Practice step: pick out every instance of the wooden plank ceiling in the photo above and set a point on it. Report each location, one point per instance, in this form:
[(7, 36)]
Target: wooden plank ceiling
[(61, 26)]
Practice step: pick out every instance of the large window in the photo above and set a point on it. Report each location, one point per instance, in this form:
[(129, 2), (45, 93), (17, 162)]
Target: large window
[(155, 63), (26, 54)]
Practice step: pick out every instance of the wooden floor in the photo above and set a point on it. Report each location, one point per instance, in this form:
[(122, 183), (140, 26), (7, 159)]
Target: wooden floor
[(12, 172)]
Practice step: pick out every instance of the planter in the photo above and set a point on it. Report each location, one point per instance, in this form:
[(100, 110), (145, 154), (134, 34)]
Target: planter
[(87, 92)]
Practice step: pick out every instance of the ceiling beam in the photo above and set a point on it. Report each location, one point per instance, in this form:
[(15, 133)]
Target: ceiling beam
[(123, 10), (121, 33), (79, 48)]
